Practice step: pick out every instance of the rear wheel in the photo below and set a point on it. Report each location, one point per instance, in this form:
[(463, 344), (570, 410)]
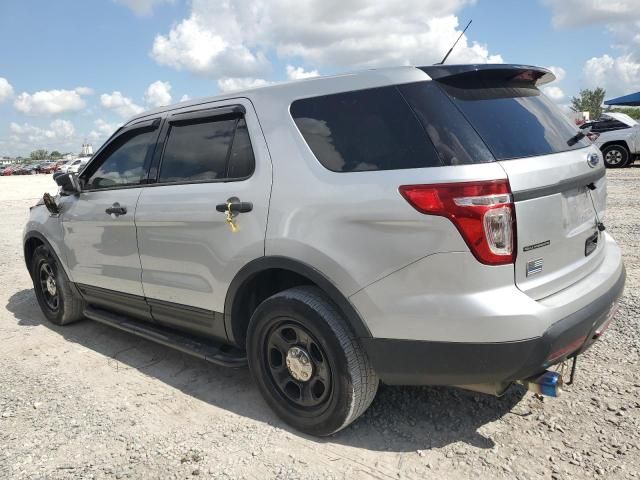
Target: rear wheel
[(56, 297), (310, 369), (615, 156)]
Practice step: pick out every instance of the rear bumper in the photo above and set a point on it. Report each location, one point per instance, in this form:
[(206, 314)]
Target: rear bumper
[(414, 362)]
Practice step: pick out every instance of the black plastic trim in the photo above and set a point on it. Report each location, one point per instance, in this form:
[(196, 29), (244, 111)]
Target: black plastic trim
[(562, 186), (412, 362), (285, 263), (131, 305), (198, 321), (202, 115), (505, 72), (217, 353)]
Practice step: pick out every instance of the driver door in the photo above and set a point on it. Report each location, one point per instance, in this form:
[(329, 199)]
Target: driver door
[(98, 223)]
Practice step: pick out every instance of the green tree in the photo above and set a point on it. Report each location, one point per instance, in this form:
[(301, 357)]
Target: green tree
[(55, 155), (589, 101), (40, 154)]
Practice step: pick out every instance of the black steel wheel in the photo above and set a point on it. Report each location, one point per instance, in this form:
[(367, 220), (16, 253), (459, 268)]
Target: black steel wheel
[(58, 299), (48, 286), (307, 363), (298, 365)]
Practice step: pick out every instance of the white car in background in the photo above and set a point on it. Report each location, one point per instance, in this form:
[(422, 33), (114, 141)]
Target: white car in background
[(618, 137), (76, 165)]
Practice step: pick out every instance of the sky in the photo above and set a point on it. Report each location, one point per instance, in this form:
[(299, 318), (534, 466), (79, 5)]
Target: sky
[(73, 71)]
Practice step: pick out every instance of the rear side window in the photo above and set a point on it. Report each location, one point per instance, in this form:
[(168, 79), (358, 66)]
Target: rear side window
[(215, 149), (364, 130)]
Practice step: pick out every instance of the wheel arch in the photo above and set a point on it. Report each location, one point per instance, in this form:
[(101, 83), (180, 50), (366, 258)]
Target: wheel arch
[(265, 276), (622, 143), (32, 240)]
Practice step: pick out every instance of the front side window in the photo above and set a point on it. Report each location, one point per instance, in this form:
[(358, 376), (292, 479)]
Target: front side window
[(215, 149), (124, 162)]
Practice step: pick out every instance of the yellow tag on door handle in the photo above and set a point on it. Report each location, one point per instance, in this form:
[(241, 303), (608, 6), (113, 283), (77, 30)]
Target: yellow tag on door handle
[(230, 220)]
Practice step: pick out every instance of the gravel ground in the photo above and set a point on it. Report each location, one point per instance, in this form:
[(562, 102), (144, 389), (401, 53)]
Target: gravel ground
[(88, 401)]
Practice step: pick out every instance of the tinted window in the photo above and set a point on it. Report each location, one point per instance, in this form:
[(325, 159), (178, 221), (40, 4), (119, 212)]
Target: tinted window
[(455, 140), (371, 129), (241, 160), (197, 151), (125, 164), (513, 120)]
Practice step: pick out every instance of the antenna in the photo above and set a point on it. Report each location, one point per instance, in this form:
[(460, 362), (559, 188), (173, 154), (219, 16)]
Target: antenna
[(454, 45)]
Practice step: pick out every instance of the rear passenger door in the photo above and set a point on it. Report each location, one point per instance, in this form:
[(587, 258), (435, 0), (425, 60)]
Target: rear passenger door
[(189, 253)]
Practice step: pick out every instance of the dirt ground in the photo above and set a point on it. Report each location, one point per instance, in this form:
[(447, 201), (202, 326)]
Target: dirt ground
[(89, 401)]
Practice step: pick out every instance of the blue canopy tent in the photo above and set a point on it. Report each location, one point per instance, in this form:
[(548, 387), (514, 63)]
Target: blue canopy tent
[(631, 100)]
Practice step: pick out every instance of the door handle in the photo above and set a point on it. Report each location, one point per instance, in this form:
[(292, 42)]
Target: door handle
[(116, 210), (235, 207)]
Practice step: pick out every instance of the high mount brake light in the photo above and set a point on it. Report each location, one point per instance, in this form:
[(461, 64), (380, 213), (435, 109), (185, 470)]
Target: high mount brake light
[(483, 213)]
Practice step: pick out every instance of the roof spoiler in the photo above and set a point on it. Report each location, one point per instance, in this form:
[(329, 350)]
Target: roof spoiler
[(502, 73)]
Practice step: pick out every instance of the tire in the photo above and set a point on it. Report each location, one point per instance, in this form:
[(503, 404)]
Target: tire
[(615, 156), (58, 301), (337, 387)]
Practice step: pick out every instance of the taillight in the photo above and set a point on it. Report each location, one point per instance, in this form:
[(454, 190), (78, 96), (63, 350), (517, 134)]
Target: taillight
[(593, 136), (483, 213)]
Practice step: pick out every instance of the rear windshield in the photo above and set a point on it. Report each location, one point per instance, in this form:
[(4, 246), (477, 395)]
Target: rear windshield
[(515, 121), (431, 124)]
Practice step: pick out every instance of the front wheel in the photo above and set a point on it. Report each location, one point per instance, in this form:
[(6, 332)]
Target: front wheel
[(58, 301), (310, 369), (615, 156)]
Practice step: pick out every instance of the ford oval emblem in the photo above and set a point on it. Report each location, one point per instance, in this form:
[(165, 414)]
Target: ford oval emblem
[(593, 159)]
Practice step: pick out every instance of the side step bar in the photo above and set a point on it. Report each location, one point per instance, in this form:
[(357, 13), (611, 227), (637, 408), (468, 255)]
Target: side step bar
[(208, 350)]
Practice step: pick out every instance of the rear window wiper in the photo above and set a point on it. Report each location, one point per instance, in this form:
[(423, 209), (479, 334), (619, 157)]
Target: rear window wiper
[(579, 136)]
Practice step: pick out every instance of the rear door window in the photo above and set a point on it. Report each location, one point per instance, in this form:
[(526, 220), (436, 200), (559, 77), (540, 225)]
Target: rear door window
[(214, 149), (364, 130)]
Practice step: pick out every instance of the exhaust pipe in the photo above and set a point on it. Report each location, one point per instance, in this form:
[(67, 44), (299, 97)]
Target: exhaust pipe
[(548, 384)]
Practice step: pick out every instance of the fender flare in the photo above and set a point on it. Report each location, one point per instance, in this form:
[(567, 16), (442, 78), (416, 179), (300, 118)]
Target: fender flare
[(261, 264), (36, 234)]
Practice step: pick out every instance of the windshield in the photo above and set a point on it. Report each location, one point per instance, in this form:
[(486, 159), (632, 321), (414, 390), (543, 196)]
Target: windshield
[(515, 121)]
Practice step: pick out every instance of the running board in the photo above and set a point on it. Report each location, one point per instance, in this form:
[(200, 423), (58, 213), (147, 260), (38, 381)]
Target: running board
[(208, 350)]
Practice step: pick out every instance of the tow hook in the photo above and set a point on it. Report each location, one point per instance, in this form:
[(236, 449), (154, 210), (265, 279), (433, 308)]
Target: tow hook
[(548, 384)]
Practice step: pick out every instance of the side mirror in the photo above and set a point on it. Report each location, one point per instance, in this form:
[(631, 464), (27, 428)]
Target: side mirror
[(68, 182)]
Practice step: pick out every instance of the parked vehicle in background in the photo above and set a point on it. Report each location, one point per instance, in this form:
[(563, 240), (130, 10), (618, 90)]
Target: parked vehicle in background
[(7, 171), (48, 167), (78, 165), (618, 137), (438, 225), (64, 166)]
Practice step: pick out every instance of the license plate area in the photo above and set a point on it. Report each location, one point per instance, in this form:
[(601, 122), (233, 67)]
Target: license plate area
[(577, 209)]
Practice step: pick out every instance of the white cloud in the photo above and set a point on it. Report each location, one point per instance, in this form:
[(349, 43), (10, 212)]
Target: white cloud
[(298, 73), (142, 7), (232, 84), (120, 104), (618, 75), (573, 13), (30, 134), (554, 93), (158, 94), (52, 102), (102, 130), (559, 72), (6, 90), (223, 39), (185, 98)]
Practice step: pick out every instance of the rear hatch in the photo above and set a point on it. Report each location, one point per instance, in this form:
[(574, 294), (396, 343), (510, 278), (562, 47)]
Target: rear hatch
[(557, 178)]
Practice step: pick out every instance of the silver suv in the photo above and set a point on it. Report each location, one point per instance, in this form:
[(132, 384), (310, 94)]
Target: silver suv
[(425, 226)]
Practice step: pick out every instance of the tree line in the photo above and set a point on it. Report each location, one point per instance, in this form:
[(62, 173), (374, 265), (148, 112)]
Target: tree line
[(591, 101)]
